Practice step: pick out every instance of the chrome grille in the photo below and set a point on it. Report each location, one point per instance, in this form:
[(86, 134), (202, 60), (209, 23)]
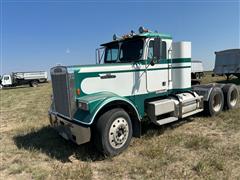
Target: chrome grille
[(61, 95)]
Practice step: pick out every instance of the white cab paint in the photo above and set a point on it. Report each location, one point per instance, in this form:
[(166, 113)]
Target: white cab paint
[(119, 84), (137, 79), (6, 80)]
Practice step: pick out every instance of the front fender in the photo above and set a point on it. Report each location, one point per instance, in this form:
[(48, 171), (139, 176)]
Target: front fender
[(96, 102)]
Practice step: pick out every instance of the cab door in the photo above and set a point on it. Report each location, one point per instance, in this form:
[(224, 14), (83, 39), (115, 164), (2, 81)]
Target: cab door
[(157, 67)]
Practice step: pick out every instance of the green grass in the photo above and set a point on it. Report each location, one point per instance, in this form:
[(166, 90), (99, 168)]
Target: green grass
[(197, 147), (196, 142)]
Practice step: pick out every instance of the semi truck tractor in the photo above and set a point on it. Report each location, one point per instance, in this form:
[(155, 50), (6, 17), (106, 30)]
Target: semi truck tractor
[(21, 78), (138, 76)]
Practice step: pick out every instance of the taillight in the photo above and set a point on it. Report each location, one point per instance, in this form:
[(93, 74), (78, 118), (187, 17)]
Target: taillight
[(78, 91)]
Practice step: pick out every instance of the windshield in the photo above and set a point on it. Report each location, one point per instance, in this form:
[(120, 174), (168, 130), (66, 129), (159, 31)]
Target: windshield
[(131, 50), (111, 53)]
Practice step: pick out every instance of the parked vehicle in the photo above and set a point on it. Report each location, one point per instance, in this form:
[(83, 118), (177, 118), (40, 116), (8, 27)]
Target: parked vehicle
[(21, 78), (139, 76), (197, 70), (227, 63)]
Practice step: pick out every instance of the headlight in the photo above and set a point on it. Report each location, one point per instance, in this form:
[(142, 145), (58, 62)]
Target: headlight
[(83, 105)]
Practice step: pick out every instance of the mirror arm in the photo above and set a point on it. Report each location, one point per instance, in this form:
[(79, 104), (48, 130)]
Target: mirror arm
[(152, 63)]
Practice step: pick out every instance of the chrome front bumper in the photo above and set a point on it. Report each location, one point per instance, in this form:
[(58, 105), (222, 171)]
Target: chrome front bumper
[(77, 133)]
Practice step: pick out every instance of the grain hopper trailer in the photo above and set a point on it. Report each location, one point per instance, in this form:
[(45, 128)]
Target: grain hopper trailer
[(139, 76), (21, 78), (227, 62)]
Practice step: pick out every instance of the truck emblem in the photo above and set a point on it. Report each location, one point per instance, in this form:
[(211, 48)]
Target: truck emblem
[(107, 76)]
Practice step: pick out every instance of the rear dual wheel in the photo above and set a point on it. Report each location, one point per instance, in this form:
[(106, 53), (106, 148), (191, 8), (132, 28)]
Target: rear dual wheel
[(226, 98), (230, 92), (198, 76), (33, 83), (215, 103)]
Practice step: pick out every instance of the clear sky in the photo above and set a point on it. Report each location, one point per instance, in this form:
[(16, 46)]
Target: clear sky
[(36, 35)]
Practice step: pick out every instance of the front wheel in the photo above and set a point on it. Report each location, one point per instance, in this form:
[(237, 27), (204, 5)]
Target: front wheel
[(113, 132)]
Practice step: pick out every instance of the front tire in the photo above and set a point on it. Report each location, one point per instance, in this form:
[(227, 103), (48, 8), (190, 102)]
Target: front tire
[(113, 132)]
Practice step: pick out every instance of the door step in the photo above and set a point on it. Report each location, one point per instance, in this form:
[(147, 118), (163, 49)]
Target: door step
[(166, 120)]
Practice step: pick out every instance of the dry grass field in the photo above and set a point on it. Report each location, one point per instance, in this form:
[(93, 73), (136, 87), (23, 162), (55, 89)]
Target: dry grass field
[(198, 147)]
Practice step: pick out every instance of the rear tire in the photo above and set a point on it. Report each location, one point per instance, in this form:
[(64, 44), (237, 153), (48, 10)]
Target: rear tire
[(228, 76), (238, 76), (33, 83), (215, 103), (113, 132), (231, 94), (197, 76)]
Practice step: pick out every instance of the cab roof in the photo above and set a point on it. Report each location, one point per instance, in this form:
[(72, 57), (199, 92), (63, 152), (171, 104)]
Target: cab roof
[(140, 35)]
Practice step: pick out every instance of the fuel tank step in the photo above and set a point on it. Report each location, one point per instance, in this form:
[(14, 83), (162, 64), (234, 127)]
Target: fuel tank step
[(166, 120)]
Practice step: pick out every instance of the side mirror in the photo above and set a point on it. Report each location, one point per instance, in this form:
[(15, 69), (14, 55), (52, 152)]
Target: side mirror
[(152, 63)]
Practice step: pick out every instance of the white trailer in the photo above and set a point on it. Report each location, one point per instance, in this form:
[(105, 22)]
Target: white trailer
[(197, 70), (227, 63), (21, 78)]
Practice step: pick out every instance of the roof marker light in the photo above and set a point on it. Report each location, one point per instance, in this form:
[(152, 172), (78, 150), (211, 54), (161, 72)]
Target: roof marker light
[(115, 37), (125, 36), (132, 33), (142, 30)]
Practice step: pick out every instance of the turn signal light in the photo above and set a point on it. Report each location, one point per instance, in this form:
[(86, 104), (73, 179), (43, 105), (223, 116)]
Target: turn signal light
[(78, 91)]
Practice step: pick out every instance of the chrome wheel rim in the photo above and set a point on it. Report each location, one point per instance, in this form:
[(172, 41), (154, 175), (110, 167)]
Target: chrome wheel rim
[(118, 132), (233, 97), (216, 102)]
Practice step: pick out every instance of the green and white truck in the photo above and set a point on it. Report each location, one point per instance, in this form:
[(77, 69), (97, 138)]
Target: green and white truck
[(137, 76)]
